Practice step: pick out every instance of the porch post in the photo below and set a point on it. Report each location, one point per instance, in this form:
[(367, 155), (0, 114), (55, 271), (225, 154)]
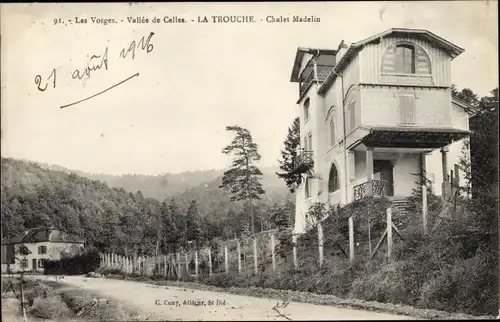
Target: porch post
[(444, 165), (369, 172)]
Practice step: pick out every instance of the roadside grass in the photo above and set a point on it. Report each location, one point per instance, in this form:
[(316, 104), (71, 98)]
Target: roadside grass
[(49, 300)]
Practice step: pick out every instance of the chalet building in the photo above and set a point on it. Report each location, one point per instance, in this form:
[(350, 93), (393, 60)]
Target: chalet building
[(373, 115), (43, 244)]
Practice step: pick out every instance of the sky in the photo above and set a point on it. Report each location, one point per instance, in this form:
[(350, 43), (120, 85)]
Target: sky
[(196, 79)]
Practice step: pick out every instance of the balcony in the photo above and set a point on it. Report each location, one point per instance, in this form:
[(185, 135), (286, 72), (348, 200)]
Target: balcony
[(378, 188), (307, 77), (303, 162)]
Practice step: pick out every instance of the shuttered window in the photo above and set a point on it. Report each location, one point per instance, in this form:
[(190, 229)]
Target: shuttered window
[(407, 109), (332, 132), (308, 188), (308, 142), (306, 109), (405, 59), (351, 116)]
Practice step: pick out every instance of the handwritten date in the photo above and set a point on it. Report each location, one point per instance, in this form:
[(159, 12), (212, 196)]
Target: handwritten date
[(97, 62)]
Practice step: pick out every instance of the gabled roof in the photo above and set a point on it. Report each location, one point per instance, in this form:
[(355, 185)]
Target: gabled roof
[(452, 49), (299, 55), (43, 234)]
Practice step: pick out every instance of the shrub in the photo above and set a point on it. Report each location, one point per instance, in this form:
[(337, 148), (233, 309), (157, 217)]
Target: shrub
[(83, 263)]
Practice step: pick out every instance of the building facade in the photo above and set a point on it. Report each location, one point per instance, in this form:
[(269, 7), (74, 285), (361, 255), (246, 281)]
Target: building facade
[(43, 244), (375, 116)]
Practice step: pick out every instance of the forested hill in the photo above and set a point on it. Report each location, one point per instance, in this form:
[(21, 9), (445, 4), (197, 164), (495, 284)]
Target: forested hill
[(172, 184), (114, 218)]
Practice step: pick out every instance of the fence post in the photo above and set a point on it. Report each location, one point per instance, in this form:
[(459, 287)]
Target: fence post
[(295, 259), (179, 266), (273, 255), (226, 259), (196, 263), (239, 257), (165, 266), (424, 208), (209, 262), (389, 233), (255, 263), (351, 240), (320, 244), (187, 262)]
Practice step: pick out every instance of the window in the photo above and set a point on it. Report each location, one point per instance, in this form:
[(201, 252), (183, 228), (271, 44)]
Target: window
[(308, 142), (42, 250), (41, 263), (407, 109), (406, 59), (306, 109), (308, 188), (24, 263), (351, 116), (332, 131), (333, 179)]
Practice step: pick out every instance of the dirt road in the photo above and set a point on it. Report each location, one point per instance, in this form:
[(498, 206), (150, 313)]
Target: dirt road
[(174, 303)]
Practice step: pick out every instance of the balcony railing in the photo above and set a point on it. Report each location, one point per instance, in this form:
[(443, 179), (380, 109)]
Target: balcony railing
[(308, 76), (304, 162), (379, 189)]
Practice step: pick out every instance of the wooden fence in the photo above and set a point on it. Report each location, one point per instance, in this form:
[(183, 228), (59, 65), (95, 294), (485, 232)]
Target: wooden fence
[(242, 256)]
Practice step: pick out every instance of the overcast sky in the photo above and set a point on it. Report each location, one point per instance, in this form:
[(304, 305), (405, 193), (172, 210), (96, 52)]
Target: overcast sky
[(198, 78)]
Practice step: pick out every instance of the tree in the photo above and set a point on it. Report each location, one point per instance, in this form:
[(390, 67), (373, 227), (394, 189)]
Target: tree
[(292, 143), (243, 177), (177, 237), (193, 229)]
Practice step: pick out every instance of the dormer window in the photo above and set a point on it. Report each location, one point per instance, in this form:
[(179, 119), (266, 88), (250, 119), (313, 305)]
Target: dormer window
[(406, 58)]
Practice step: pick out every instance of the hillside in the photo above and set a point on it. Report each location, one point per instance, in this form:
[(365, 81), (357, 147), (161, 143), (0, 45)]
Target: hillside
[(170, 185), (113, 218)]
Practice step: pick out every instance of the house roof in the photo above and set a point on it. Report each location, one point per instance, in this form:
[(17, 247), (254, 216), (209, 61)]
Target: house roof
[(452, 49), (299, 55), (466, 106), (42, 234)]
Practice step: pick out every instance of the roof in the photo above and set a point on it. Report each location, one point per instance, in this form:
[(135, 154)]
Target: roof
[(299, 55), (452, 49), (466, 106), (43, 234)]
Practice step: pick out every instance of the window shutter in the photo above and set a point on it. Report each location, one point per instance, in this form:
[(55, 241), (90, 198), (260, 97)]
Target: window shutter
[(352, 116), (351, 159), (332, 132), (423, 65), (310, 142), (388, 62), (407, 109)]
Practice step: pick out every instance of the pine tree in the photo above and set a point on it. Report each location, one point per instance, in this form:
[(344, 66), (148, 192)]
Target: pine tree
[(292, 143), (242, 179)]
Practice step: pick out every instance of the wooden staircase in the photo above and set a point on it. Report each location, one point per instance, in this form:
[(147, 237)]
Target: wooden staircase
[(400, 206)]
